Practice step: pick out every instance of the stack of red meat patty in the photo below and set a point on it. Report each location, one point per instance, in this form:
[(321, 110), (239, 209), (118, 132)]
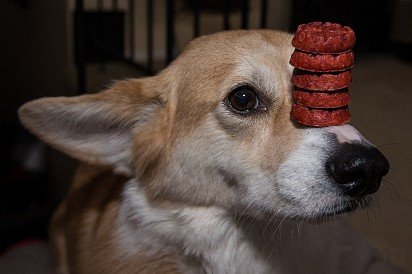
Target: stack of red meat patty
[(323, 59)]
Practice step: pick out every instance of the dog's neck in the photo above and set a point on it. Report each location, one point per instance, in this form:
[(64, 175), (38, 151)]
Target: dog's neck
[(214, 241), (208, 234)]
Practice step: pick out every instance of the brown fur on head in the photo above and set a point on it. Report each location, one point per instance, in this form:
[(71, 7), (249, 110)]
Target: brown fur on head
[(197, 128), (179, 135), (145, 126)]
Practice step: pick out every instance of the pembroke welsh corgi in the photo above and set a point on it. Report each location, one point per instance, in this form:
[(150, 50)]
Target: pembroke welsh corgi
[(200, 169)]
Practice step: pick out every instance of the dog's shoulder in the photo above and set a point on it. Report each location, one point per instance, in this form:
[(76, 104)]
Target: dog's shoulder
[(84, 226)]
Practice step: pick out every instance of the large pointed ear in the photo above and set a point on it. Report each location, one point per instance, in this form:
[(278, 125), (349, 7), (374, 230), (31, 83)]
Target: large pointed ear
[(96, 128)]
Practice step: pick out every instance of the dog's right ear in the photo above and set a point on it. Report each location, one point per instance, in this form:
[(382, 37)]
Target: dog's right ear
[(96, 128)]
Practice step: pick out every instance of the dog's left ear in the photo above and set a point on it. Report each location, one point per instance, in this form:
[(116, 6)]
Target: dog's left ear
[(96, 128)]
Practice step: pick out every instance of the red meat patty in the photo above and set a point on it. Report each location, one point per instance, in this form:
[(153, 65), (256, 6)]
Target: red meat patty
[(320, 117), (321, 81), (313, 99), (323, 62), (318, 37)]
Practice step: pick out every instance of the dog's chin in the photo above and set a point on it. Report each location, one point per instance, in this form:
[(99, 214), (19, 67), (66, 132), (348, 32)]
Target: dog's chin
[(342, 206), (330, 211)]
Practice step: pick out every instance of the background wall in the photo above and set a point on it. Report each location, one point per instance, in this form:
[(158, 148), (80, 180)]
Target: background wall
[(278, 18), (33, 64), (33, 53)]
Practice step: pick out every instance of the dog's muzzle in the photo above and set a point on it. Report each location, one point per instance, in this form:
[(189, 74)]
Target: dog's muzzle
[(357, 169)]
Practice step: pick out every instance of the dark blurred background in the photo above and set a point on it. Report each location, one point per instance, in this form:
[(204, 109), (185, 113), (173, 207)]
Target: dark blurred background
[(66, 48)]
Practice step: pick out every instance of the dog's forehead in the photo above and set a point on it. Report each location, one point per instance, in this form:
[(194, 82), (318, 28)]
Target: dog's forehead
[(212, 66), (227, 58), (253, 47), (265, 66), (262, 60)]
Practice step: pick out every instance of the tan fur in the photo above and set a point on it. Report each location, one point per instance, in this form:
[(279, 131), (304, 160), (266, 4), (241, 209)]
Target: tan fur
[(83, 235), (185, 96), (198, 86)]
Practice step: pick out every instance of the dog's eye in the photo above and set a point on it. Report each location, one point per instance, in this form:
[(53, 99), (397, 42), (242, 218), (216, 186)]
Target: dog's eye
[(243, 99)]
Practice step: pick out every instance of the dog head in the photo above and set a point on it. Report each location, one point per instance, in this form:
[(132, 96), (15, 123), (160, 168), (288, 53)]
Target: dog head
[(214, 129)]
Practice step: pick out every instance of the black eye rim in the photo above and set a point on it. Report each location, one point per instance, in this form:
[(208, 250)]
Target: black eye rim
[(260, 106)]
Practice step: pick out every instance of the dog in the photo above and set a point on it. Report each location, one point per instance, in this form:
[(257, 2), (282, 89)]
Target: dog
[(200, 169)]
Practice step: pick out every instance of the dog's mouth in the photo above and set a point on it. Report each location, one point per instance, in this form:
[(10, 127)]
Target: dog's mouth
[(347, 207), (326, 213)]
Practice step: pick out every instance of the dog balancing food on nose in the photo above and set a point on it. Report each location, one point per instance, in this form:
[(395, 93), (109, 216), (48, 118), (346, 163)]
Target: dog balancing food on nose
[(323, 59)]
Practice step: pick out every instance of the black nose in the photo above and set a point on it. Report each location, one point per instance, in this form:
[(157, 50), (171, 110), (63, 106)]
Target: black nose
[(357, 169)]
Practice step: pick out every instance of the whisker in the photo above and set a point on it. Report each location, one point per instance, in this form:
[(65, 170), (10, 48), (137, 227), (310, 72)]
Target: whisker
[(390, 191), (299, 230), (387, 145), (367, 214), (268, 223), (252, 222), (394, 169), (239, 218), (373, 211), (393, 188), (275, 245), (379, 206)]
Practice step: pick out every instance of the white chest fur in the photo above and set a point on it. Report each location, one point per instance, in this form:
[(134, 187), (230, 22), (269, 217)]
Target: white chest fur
[(222, 245), (206, 233)]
